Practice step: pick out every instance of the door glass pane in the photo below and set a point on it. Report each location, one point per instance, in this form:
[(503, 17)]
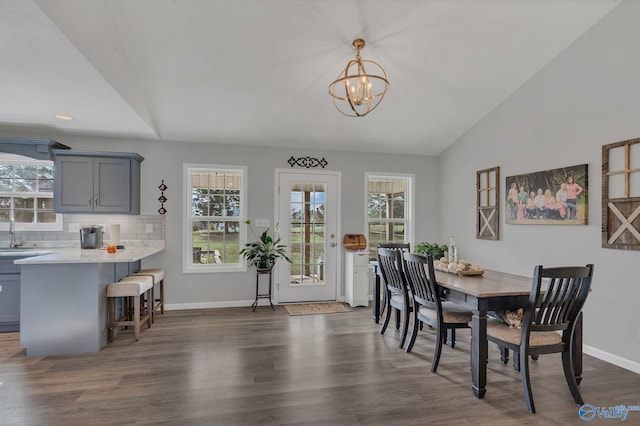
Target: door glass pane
[(306, 227)]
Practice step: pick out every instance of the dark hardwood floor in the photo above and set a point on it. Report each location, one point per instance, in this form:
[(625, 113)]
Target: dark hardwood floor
[(234, 367)]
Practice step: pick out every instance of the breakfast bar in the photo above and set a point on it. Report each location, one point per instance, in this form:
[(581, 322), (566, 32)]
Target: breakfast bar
[(63, 298)]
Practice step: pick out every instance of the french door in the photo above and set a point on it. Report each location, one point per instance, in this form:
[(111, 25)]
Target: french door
[(308, 217)]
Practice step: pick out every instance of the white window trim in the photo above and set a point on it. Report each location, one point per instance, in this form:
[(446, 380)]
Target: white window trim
[(409, 202), (187, 265), (31, 227)]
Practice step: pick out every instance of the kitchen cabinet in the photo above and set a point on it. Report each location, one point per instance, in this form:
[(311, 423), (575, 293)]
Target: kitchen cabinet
[(9, 295), (356, 278), (96, 182)]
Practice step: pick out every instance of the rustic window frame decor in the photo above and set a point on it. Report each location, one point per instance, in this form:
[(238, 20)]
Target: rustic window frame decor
[(620, 208), (488, 204), (572, 213)]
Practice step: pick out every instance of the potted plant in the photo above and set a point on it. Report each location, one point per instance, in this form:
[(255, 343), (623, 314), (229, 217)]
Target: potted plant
[(434, 249), (266, 250)]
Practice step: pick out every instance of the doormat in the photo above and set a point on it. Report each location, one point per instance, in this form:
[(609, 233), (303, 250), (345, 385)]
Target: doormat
[(316, 308)]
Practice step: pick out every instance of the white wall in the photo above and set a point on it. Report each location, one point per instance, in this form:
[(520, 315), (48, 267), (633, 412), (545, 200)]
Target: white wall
[(587, 97)]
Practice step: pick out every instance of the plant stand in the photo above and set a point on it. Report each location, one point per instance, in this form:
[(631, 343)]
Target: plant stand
[(262, 295)]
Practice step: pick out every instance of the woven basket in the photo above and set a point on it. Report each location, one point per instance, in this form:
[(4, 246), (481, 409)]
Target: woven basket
[(354, 242)]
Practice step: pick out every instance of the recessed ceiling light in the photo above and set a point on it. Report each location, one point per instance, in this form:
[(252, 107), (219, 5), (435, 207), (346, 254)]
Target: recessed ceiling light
[(63, 117)]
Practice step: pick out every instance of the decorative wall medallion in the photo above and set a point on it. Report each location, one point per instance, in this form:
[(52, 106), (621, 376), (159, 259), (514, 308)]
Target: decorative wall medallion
[(307, 162)]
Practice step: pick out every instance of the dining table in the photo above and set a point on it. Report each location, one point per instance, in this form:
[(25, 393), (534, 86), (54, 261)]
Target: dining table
[(491, 291)]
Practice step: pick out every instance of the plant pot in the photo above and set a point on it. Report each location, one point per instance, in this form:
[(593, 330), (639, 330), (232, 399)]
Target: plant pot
[(264, 266)]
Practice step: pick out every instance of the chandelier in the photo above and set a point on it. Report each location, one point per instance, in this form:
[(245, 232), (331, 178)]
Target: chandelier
[(357, 92)]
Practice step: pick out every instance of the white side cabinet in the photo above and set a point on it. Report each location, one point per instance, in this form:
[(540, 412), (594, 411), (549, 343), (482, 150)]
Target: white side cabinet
[(356, 278)]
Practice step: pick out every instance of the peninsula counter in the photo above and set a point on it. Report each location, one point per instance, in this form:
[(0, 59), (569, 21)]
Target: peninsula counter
[(63, 297)]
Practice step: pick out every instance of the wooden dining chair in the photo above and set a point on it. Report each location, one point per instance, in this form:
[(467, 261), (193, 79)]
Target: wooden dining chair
[(428, 305), (403, 248), (548, 323), (396, 292)]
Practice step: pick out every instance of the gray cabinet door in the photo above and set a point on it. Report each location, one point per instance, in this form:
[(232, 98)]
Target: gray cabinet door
[(112, 185), (73, 184), (10, 302)]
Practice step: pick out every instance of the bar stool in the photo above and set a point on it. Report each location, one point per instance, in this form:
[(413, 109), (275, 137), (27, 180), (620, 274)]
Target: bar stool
[(131, 289), (157, 274)]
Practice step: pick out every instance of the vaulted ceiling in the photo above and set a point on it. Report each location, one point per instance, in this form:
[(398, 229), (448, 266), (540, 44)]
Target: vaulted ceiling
[(256, 72)]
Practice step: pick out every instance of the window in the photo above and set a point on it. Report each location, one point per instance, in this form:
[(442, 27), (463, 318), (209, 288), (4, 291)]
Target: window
[(26, 194), (389, 210), (214, 227)]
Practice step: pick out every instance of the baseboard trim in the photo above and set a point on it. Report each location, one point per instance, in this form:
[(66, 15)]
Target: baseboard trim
[(612, 359), (228, 304), (210, 305)]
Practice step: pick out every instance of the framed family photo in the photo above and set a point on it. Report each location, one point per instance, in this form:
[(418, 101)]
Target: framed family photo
[(551, 197)]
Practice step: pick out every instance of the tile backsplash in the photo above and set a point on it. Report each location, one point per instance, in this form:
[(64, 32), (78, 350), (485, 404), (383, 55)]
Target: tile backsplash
[(132, 228)]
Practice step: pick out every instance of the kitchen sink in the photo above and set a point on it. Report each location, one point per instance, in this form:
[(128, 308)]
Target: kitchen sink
[(22, 251)]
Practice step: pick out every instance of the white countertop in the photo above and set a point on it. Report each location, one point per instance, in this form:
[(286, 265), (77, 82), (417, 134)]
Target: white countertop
[(78, 255)]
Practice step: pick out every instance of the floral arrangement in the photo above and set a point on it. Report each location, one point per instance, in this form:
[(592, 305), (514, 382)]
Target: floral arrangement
[(266, 250)]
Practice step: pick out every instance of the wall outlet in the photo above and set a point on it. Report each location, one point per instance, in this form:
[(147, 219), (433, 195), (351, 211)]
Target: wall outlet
[(149, 228), (263, 223), (74, 228)]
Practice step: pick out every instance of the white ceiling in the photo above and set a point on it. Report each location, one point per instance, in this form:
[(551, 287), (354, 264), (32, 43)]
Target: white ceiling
[(256, 72)]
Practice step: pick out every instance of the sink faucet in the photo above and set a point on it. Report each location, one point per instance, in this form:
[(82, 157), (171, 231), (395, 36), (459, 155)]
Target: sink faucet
[(12, 232)]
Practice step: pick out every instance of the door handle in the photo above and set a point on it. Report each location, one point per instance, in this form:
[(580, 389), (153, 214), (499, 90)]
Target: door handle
[(332, 244)]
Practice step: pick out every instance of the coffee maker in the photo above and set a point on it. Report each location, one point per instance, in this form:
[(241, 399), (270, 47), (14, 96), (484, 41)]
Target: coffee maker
[(91, 237)]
